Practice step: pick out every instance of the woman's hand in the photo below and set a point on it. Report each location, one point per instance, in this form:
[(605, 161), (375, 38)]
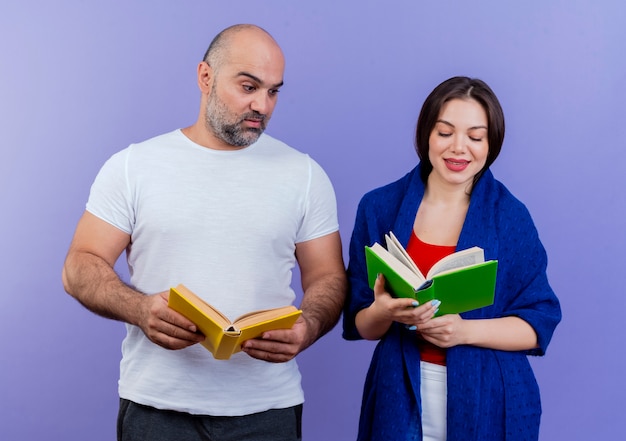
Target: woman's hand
[(373, 322), (503, 333), (445, 331)]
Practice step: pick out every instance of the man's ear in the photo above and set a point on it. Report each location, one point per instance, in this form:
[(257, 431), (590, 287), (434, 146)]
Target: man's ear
[(205, 77)]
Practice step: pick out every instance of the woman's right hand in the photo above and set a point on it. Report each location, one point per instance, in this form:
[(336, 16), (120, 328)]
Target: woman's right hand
[(373, 322)]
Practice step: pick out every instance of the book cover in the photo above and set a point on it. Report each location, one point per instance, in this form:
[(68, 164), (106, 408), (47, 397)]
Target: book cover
[(223, 337)]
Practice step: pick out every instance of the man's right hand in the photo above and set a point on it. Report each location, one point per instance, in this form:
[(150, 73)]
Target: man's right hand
[(164, 326)]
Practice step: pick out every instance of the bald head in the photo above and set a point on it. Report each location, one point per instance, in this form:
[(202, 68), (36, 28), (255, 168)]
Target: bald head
[(236, 38)]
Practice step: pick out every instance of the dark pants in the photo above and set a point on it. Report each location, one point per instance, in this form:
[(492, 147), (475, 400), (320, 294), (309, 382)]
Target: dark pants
[(136, 422)]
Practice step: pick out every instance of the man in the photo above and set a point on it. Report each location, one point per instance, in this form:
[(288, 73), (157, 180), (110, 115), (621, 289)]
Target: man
[(226, 210)]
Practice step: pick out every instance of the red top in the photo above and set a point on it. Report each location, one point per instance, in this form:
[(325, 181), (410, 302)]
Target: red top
[(425, 256)]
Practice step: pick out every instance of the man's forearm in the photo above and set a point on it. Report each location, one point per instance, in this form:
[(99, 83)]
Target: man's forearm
[(92, 281), (321, 305)]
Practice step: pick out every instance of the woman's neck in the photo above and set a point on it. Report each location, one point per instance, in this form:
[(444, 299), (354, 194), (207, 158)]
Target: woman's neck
[(443, 193)]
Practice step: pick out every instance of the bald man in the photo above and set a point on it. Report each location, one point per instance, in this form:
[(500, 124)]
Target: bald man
[(228, 211)]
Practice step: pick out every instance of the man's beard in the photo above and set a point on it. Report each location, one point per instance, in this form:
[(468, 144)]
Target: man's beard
[(217, 121)]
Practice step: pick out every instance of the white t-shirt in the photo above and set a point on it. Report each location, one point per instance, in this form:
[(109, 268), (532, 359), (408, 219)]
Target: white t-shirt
[(225, 224)]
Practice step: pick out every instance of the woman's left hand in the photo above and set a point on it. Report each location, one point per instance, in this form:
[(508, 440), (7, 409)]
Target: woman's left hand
[(445, 331)]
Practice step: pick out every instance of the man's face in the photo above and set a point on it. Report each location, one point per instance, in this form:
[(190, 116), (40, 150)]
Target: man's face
[(238, 129), (244, 92)]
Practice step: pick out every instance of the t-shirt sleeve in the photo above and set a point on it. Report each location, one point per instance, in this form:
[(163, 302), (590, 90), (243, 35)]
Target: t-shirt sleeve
[(110, 195), (320, 206)]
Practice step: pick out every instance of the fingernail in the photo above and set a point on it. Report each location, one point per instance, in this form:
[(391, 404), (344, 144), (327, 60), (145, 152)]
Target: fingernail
[(415, 303), (436, 311), (435, 302), (412, 328)]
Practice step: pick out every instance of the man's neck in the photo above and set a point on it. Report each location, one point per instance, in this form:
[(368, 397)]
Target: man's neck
[(203, 137)]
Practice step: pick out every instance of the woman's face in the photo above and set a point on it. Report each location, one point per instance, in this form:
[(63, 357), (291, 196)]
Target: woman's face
[(458, 144)]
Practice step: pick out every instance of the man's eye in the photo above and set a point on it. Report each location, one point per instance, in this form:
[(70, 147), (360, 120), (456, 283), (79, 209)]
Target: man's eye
[(274, 91), (248, 88)]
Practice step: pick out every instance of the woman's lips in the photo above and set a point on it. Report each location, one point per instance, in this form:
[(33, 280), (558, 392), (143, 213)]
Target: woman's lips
[(456, 164)]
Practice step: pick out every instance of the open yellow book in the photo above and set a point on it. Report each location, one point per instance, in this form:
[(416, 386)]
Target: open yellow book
[(223, 337)]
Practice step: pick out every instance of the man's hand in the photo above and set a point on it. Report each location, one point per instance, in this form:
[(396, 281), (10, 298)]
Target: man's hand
[(164, 326), (279, 345)]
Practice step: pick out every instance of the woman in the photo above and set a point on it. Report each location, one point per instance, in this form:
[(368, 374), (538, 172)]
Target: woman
[(455, 377)]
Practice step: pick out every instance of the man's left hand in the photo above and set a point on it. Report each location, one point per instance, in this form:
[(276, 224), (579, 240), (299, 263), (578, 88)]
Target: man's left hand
[(279, 345)]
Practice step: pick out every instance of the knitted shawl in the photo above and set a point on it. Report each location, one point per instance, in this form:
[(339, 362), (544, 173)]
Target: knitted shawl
[(492, 394)]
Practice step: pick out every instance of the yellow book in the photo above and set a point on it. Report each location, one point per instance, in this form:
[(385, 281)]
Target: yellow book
[(223, 337)]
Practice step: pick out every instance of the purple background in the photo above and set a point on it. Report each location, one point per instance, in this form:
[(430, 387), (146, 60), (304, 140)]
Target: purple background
[(81, 80)]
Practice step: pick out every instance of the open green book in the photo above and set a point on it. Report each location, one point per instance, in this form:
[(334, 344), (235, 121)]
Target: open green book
[(462, 281)]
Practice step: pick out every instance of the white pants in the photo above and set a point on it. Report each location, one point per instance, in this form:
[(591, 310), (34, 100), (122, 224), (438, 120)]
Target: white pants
[(434, 392)]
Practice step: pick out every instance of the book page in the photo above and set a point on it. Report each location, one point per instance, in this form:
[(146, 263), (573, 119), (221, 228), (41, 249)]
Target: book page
[(460, 259), (264, 315), (200, 305), (390, 264), (397, 250)]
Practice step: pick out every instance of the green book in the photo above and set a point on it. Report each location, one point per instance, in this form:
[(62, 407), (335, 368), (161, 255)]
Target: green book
[(462, 281)]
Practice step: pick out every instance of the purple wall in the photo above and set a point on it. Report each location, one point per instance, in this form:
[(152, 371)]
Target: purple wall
[(80, 80)]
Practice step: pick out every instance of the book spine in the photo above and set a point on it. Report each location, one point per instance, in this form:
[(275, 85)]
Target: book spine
[(426, 294), (227, 346)]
